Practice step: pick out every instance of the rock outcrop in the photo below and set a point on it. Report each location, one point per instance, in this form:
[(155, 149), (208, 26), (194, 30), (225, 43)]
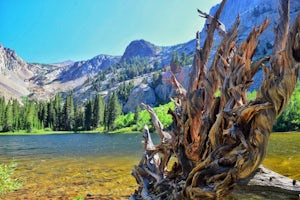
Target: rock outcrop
[(140, 48), (14, 75), (141, 93)]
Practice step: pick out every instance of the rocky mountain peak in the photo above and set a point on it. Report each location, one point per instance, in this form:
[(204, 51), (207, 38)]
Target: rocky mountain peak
[(9, 60), (256, 11), (140, 48)]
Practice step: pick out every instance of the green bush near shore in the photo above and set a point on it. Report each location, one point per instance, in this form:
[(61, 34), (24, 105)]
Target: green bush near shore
[(7, 183)]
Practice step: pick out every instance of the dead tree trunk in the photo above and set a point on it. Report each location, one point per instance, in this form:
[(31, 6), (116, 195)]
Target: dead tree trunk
[(219, 141)]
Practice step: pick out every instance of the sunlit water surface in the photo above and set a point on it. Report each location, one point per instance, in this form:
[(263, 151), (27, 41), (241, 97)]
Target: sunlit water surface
[(65, 166)]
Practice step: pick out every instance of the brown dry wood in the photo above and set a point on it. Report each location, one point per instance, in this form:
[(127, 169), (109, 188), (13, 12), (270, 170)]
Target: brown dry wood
[(218, 141)]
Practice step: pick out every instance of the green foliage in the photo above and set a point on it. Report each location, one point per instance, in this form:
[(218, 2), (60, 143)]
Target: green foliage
[(162, 114), (59, 114), (112, 110), (124, 90), (88, 115), (251, 95), (177, 62), (122, 71), (7, 183), (144, 118), (124, 120), (98, 111), (68, 113), (8, 119), (289, 120)]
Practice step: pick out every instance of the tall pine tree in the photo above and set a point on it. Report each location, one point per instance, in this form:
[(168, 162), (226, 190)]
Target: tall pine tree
[(57, 117), (2, 112), (98, 111), (114, 109), (88, 115), (16, 114), (68, 114), (8, 118), (29, 116)]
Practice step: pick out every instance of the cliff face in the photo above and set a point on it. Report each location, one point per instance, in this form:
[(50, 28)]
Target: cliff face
[(14, 74), (253, 13)]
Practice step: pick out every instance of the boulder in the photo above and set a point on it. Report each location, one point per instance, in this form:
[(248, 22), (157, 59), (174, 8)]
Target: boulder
[(141, 93)]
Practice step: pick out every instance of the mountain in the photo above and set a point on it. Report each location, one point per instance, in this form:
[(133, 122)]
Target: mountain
[(14, 74), (140, 48), (89, 67), (143, 63)]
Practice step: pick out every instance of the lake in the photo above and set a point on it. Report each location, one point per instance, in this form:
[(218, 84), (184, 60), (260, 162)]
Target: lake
[(65, 166)]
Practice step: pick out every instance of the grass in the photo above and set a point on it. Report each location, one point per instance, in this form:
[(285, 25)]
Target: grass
[(7, 183), (125, 130)]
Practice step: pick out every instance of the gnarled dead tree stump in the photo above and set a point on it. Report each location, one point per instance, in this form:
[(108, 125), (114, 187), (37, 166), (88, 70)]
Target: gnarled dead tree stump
[(219, 140)]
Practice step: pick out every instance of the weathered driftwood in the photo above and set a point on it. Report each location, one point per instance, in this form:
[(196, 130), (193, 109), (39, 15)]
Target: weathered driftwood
[(218, 141), (267, 180)]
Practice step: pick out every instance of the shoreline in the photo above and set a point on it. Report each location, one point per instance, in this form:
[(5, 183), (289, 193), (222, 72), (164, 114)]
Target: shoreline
[(67, 132), (118, 131)]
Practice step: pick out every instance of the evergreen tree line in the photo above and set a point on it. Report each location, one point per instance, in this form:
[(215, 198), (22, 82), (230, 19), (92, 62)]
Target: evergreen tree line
[(59, 114)]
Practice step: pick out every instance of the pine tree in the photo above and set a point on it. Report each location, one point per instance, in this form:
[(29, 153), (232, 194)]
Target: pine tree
[(16, 114), (175, 63), (68, 114), (2, 112), (113, 110), (57, 117), (29, 116), (43, 113), (8, 118), (184, 59), (79, 118), (50, 115), (97, 111), (88, 115), (137, 114)]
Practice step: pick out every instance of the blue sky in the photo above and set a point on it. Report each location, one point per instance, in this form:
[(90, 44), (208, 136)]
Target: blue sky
[(49, 31)]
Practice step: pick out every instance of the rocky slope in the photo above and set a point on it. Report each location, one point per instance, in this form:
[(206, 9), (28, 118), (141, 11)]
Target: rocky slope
[(14, 74), (89, 67)]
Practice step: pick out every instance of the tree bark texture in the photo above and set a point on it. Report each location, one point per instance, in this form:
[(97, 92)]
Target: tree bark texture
[(219, 140)]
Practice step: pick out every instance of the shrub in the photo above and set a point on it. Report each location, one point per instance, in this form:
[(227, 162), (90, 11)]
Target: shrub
[(7, 183)]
